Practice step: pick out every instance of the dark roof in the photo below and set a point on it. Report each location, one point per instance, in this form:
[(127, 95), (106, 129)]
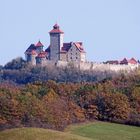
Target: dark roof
[(112, 62), (48, 49), (34, 47), (124, 61), (56, 26), (66, 46), (31, 47)]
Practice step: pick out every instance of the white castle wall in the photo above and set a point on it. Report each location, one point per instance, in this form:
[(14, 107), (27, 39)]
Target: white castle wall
[(97, 66), (106, 67), (62, 64)]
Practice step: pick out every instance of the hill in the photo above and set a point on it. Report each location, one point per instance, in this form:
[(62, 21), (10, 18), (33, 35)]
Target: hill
[(37, 134), (89, 131), (105, 131)]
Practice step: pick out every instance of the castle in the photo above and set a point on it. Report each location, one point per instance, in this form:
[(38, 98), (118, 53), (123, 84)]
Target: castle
[(57, 50), (61, 54)]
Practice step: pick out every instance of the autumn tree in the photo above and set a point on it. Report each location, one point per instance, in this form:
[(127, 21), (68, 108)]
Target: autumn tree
[(113, 107), (85, 97)]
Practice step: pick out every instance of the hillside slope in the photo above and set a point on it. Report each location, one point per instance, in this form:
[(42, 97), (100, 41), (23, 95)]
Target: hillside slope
[(37, 134), (105, 131)]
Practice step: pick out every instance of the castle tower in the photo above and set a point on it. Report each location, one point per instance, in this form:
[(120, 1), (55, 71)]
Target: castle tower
[(39, 47), (31, 57), (41, 58), (56, 42)]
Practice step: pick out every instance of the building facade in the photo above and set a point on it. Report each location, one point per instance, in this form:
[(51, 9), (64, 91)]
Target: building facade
[(57, 50)]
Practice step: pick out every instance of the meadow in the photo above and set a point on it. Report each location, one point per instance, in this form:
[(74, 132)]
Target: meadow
[(37, 134), (88, 131), (105, 131)]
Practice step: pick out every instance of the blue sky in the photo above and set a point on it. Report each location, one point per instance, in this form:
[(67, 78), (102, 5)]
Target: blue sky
[(109, 29)]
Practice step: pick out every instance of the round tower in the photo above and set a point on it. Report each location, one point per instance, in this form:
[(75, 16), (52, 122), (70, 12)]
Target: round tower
[(56, 42), (41, 58), (31, 57)]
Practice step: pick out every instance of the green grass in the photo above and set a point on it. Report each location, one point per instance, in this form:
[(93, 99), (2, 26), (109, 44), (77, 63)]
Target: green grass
[(37, 134), (89, 131), (106, 131)]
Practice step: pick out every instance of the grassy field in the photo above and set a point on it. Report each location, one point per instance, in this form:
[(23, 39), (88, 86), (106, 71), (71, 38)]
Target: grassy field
[(89, 131), (37, 134), (106, 131)]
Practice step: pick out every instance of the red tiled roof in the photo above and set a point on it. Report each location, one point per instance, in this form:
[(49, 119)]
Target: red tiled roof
[(56, 29), (79, 46), (31, 52), (33, 47), (39, 44), (67, 46), (132, 61), (42, 55)]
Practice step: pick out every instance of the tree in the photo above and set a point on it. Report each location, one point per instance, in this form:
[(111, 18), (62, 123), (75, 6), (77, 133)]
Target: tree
[(16, 63), (113, 107), (85, 97)]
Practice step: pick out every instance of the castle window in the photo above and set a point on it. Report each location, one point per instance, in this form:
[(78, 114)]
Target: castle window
[(76, 57), (70, 57)]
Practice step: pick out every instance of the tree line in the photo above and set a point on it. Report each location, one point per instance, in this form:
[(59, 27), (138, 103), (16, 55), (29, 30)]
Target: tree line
[(56, 105)]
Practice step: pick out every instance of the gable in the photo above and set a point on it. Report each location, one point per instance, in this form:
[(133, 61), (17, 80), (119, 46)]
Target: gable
[(31, 47)]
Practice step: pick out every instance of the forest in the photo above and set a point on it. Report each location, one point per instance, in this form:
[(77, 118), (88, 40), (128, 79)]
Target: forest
[(50, 97)]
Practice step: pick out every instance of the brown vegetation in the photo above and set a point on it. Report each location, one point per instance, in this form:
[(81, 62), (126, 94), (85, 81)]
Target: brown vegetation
[(55, 105)]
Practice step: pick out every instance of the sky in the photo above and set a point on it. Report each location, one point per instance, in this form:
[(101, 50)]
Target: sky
[(109, 29)]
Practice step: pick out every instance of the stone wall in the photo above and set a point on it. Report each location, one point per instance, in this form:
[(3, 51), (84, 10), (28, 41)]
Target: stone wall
[(83, 57), (31, 59), (54, 47), (106, 67), (74, 55), (63, 56), (91, 66)]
